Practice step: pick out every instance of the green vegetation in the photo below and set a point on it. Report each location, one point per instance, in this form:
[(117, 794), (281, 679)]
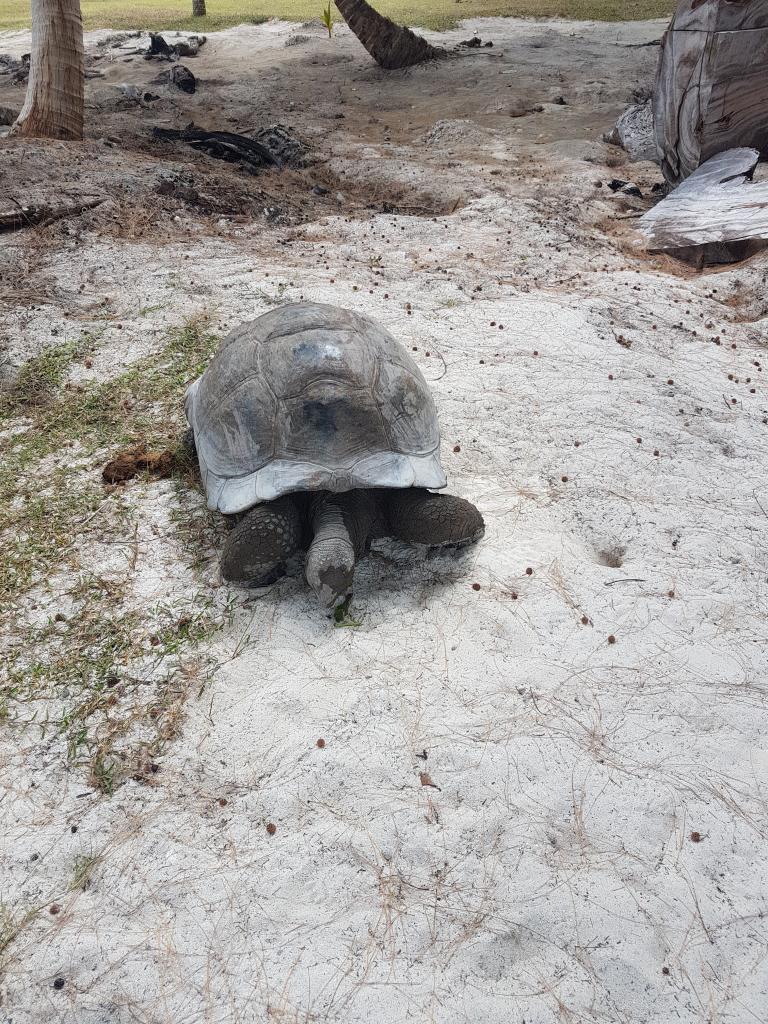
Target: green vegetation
[(342, 618), (435, 14), (39, 511), (83, 671), (328, 19)]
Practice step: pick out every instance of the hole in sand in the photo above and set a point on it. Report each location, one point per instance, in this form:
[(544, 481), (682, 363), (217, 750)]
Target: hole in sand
[(612, 556)]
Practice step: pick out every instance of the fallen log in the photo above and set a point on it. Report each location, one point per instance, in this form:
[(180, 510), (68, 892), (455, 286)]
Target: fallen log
[(15, 215), (711, 89), (717, 215), (178, 75), (391, 46)]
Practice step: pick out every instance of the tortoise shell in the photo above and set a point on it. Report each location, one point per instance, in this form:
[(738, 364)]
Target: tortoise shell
[(311, 397)]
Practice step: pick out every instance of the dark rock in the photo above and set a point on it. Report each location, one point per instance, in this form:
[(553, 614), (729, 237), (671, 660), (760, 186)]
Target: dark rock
[(159, 48), (178, 75), (183, 79), (187, 47), (17, 68)]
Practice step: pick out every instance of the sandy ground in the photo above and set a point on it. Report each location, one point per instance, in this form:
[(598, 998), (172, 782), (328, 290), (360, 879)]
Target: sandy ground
[(543, 800)]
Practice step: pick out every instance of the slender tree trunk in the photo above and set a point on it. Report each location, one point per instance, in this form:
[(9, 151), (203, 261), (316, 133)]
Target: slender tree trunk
[(390, 45), (53, 108), (198, 9)]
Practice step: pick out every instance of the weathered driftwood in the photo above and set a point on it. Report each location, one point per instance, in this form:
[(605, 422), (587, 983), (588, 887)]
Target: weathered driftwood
[(15, 214), (717, 215), (712, 83), (390, 45)]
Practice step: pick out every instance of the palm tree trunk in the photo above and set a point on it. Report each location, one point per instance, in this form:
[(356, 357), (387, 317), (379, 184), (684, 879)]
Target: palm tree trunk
[(53, 108), (390, 45), (198, 9)]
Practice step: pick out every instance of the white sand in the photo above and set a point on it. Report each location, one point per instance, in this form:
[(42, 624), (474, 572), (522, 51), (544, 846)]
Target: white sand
[(549, 874)]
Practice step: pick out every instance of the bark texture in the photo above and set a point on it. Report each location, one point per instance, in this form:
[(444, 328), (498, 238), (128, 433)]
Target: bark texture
[(711, 89), (390, 45), (53, 108), (717, 215), (198, 9)]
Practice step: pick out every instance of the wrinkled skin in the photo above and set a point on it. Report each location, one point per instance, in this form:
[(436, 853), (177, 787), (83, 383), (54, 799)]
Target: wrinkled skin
[(337, 529)]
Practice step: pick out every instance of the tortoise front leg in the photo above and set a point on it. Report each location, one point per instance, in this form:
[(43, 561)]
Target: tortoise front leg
[(438, 520), (258, 547), (342, 525)]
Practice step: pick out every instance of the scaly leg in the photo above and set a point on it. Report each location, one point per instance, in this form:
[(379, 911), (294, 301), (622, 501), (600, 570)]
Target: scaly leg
[(438, 520), (258, 547), (341, 524)]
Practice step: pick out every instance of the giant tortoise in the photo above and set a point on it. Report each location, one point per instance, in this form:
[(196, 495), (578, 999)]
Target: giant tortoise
[(314, 429)]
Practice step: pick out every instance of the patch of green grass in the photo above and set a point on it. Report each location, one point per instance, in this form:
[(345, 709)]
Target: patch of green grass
[(103, 772), (40, 512), (342, 618), (435, 14), (74, 674)]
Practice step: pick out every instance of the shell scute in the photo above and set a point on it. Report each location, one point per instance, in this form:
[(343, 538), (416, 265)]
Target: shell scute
[(311, 397)]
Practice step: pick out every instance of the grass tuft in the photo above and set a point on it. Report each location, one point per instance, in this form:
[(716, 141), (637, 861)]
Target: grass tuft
[(106, 677)]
